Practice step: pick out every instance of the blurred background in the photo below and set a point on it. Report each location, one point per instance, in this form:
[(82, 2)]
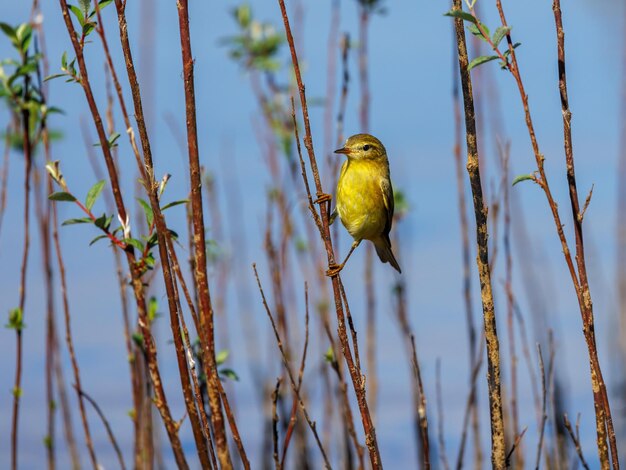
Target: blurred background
[(412, 71)]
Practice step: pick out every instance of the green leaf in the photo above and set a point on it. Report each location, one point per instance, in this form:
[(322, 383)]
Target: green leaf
[(9, 31), (64, 60), (329, 355), (174, 203), (473, 28), (508, 51), (135, 243), (113, 138), (88, 28), (53, 76), (221, 357), (229, 374), (16, 320), (61, 196), (93, 194), (78, 14), (147, 210), (24, 34), (153, 306), (481, 60), (461, 14), (499, 34), (99, 237), (138, 339), (83, 220), (103, 222), (520, 178)]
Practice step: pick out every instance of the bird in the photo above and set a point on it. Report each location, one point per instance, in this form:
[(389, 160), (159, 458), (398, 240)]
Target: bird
[(365, 197)]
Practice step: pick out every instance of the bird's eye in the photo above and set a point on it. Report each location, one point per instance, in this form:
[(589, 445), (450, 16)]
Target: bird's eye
[(366, 147)]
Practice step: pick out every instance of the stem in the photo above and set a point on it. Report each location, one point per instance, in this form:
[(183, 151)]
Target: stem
[(17, 391), (206, 310), (498, 452), (322, 222), (144, 323), (107, 426), (577, 218)]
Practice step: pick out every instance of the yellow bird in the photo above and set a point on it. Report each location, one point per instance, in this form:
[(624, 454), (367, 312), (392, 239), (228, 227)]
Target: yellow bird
[(365, 197)]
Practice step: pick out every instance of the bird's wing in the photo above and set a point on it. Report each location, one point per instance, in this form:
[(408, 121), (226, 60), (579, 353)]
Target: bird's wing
[(387, 191)]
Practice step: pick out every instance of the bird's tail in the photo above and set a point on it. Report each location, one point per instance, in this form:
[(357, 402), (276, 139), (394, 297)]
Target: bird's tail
[(383, 249)]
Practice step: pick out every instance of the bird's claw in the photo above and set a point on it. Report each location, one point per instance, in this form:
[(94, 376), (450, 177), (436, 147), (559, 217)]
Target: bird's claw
[(323, 197), (334, 269)]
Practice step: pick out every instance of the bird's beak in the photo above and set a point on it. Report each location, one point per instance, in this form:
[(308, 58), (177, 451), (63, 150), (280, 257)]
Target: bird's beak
[(344, 150)]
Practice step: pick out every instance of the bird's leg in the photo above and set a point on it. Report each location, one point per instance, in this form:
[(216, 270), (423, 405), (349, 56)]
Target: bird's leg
[(335, 269), (322, 197)]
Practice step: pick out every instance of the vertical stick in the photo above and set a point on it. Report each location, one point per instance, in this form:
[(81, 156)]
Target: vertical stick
[(498, 452), (605, 419), (322, 222), (206, 310)]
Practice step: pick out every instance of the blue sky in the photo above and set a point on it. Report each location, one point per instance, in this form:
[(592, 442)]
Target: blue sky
[(411, 81)]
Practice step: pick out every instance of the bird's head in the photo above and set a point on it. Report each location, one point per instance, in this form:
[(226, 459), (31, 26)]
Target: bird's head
[(363, 147)]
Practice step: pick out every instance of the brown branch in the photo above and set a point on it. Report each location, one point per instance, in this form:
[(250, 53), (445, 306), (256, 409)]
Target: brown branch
[(544, 414), (292, 418), (322, 222), (107, 426), (275, 421), (480, 212), (470, 405), (17, 390), (294, 385), (575, 438), (5, 171), (604, 418), (604, 424), (504, 154), (68, 335), (205, 307), (422, 416), (440, 433), (466, 257), (144, 323), (515, 445)]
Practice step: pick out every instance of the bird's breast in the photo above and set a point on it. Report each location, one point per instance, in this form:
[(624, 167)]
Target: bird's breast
[(360, 203)]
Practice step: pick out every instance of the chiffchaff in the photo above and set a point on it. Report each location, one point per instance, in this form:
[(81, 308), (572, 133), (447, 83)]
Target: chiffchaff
[(365, 197)]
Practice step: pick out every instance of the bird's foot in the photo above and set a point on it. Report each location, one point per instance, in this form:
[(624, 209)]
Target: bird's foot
[(322, 197), (334, 269)]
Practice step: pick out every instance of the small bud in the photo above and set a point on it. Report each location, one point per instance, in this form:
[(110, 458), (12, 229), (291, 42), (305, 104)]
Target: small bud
[(125, 225), (55, 173), (163, 183)]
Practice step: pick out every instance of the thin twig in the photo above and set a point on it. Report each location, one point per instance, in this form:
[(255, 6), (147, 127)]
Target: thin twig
[(515, 445), (150, 348), (544, 416), (292, 418), (422, 414), (440, 432), (107, 426), (275, 421), (470, 404), (294, 385), (322, 221), (575, 438)]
